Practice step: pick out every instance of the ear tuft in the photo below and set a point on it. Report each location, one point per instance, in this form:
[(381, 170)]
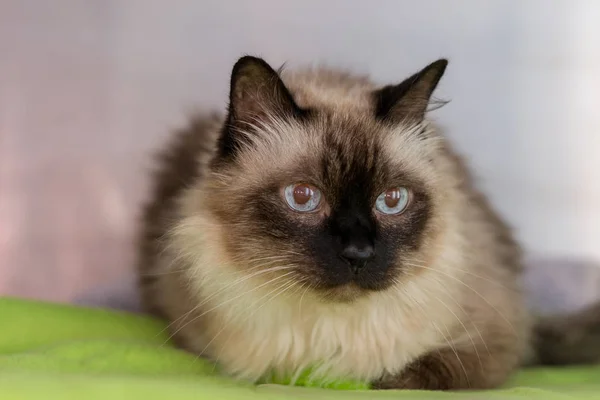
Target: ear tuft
[(256, 93), (408, 101)]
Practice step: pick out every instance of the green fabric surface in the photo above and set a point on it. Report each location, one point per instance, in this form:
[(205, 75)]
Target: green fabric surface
[(55, 351)]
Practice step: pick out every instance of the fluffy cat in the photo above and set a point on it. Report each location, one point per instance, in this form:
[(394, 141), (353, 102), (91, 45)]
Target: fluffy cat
[(325, 223)]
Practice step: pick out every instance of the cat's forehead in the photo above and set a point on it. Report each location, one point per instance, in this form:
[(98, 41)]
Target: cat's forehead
[(361, 151), (330, 89), (351, 151), (337, 150)]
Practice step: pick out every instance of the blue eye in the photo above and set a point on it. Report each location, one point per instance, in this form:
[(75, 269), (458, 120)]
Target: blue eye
[(302, 197), (393, 201)]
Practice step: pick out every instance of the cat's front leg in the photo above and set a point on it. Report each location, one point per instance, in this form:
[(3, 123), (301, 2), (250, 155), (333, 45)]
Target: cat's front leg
[(450, 369)]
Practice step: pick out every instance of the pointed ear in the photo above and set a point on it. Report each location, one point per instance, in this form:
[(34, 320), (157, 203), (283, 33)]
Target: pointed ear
[(408, 101), (256, 93)]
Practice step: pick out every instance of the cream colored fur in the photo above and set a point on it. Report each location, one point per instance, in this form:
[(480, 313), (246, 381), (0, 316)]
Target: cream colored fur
[(254, 325)]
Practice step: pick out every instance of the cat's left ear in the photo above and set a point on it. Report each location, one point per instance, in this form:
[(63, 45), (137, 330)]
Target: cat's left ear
[(257, 94), (407, 102)]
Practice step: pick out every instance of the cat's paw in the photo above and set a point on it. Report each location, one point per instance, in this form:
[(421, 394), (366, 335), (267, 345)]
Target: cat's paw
[(418, 378), (431, 372)]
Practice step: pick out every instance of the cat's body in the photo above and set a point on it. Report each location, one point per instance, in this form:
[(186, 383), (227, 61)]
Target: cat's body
[(259, 287)]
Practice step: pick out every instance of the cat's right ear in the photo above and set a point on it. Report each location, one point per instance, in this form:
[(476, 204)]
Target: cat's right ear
[(257, 94), (407, 101)]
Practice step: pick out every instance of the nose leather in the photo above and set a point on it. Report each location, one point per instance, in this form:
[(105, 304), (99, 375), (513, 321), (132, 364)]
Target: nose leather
[(357, 257)]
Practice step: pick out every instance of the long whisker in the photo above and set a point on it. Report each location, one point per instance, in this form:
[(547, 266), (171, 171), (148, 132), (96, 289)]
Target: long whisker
[(285, 285), (251, 262), (474, 291), (452, 347), (308, 287), (221, 290), (461, 323), (473, 324), (422, 263), (280, 290), (226, 302)]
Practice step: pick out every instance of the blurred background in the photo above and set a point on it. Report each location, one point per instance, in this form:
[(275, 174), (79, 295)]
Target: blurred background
[(88, 88)]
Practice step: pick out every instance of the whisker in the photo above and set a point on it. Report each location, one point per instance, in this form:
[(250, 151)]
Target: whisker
[(421, 263), (461, 323), (280, 290), (226, 302), (452, 347), (308, 287), (221, 290), (474, 291), (467, 315), (286, 284)]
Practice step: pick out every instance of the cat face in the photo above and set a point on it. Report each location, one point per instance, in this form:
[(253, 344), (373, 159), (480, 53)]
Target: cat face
[(340, 198)]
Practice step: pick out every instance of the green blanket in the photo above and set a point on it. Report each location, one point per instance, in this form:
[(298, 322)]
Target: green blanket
[(50, 351)]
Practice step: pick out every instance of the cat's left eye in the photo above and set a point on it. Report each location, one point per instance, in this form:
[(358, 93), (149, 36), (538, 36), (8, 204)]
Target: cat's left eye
[(393, 201), (302, 197)]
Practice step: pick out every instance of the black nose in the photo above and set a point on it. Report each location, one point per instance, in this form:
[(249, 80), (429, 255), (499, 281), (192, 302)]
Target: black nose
[(357, 256)]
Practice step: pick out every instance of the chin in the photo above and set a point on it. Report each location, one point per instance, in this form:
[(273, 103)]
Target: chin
[(352, 291), (344, 294)]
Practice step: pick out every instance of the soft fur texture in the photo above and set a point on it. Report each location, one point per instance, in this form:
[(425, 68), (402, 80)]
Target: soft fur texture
[(248, 282)]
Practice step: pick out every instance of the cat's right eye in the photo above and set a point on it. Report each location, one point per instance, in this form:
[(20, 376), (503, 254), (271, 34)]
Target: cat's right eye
[(302, 197), (393, 201)]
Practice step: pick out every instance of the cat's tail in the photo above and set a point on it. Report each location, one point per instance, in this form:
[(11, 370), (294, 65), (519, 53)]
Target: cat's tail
[(567, 339)]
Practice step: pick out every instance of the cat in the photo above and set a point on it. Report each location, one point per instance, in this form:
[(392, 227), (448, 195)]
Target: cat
[(324, 222)]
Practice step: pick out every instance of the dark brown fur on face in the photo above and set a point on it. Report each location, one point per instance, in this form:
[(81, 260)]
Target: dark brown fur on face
[(248, 282)]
